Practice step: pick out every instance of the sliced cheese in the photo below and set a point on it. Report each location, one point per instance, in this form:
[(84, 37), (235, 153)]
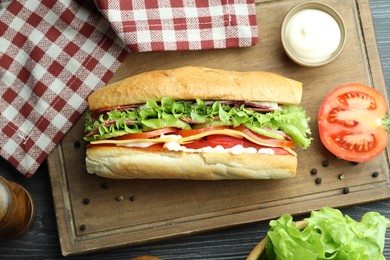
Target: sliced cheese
[(291, 151), (183, 140), (179, 139), (228, 132), (129, 141)]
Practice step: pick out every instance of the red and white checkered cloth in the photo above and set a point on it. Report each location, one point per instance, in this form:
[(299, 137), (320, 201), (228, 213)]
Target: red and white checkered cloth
[(53, 54), (166, 25)]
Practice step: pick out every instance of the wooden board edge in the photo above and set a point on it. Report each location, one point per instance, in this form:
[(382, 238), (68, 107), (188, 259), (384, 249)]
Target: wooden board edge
[(228, 221), (372, 52), (63, 211)]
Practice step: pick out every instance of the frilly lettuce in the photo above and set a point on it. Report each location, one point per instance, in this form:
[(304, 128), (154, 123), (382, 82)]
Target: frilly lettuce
[(328, 235), (169, 112)]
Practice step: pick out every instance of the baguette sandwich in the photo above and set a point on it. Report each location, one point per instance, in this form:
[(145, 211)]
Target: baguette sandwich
[(196, 123)]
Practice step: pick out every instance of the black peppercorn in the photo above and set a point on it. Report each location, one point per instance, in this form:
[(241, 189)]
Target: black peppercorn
[(375, 174), (318, 180), (105, 185), (83, 227), (325, 163), (86, 201), (346, 190), (313, 171)]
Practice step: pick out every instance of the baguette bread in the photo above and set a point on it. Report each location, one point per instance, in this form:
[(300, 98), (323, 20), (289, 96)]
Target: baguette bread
[(187, 83), (130, 163)]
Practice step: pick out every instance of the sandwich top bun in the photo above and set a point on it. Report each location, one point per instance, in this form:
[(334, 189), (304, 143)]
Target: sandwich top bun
[(187, 83)]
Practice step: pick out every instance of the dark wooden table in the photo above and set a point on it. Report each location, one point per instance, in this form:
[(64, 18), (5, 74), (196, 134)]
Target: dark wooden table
[(42, 242)]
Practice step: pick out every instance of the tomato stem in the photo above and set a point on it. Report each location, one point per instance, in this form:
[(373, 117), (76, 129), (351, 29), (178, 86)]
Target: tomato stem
[(386, 122)]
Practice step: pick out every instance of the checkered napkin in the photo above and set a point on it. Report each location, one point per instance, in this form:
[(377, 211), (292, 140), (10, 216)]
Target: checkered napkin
[(166, 25), (53, 54)]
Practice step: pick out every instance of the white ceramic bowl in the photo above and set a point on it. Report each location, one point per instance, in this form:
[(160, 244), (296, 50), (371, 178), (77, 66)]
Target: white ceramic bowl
[(318, 6)]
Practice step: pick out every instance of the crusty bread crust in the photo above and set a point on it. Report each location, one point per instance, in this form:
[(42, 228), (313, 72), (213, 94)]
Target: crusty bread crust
[(187, 83), (129, 163)]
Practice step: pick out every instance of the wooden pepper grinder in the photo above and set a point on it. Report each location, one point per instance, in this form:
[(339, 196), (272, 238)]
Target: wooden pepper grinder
[(17, 210)]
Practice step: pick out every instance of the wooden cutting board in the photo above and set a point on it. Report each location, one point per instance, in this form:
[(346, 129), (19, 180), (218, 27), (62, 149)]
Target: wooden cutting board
[(96, 214)]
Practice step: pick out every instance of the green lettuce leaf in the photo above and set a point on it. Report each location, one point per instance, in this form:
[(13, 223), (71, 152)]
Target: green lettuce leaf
[(169, 113), (328, 235)]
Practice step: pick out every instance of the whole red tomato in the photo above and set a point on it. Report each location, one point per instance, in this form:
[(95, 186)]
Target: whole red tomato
[(352, 122)]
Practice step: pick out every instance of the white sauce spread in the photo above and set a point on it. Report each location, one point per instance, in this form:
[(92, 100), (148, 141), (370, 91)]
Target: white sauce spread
[(175, 146), (313, 35)]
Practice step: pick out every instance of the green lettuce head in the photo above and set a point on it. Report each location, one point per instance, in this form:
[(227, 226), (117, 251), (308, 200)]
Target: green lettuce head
[(328, 235)]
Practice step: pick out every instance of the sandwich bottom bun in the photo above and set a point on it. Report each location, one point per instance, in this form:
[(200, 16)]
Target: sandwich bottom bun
[(129, 163)]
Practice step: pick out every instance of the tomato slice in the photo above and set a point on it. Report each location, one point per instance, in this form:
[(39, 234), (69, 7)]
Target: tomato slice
[(153, 147), (223, 140), (350, 122), (229, 142), (148, 134)]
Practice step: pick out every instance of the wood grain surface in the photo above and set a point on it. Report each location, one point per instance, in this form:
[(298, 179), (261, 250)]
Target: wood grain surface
[(20, 210), (42, 241)]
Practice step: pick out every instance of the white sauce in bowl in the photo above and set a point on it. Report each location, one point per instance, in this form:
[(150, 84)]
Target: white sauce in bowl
[(313, 35)]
